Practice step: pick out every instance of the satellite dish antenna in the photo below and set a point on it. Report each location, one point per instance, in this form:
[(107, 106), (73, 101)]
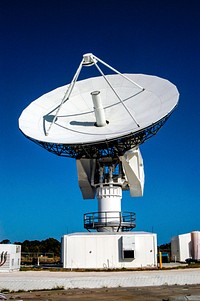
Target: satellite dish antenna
[(101, 121)]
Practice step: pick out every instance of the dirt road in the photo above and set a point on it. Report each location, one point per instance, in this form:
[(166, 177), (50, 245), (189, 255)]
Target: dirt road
[(161, 293)]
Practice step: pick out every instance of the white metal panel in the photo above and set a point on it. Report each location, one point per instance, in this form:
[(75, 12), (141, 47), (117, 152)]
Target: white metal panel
[(128, 243), (181, 247), (84, 168), (185, 246), (175, 251), (132, 163)]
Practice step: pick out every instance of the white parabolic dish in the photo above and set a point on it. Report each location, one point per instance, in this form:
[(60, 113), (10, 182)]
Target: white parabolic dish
[(75, 123)]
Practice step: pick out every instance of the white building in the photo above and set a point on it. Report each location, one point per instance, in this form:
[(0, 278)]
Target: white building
[(185, 246), (103, 250), (10, 257)]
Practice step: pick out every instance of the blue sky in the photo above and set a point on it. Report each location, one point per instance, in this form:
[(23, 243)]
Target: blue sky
[(42, 43)]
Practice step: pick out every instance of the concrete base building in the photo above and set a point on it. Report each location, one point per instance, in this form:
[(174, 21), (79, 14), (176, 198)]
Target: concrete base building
[(104, 250), (10, 257)]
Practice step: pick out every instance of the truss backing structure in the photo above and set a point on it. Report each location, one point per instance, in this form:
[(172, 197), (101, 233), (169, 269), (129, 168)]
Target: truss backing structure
[(109, 148)]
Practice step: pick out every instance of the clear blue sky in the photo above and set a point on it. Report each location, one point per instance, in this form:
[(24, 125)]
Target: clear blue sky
[(42, 43)]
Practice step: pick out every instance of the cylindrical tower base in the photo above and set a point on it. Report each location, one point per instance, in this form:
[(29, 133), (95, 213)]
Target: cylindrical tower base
[(109, 198), (109, 207)]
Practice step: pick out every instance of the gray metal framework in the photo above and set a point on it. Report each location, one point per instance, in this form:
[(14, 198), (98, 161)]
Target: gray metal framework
[(121, 221), (109, 148)]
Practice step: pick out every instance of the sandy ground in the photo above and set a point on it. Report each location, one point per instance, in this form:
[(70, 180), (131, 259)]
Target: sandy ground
[(162, 293)]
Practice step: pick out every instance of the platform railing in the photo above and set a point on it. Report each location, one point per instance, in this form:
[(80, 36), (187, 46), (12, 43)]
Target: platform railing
[(113, 220)]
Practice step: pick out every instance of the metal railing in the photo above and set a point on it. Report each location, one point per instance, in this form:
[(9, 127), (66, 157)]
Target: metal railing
[(113, 220)]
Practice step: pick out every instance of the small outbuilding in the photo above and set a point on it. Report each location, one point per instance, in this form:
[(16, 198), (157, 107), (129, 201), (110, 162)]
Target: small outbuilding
[(185, 246), (109, 250), (10, 257)]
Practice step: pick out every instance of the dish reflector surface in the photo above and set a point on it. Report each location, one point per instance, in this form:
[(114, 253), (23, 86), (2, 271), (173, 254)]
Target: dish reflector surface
[(75, 123)]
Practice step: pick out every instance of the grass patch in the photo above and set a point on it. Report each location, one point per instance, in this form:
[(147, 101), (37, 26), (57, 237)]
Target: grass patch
[(56, 288)]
